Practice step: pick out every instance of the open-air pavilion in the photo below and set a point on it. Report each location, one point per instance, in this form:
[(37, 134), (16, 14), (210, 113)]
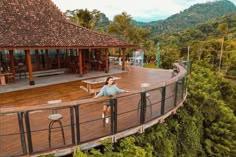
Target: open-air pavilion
[(35, 36)]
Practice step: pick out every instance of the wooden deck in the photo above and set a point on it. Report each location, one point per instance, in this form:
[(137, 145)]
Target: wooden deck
[(71, 90), (91, 123)]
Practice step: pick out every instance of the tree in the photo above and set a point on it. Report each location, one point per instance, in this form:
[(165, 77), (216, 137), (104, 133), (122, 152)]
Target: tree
[(168, 56), (224, 30), (126, 148), (123, 28), (219, 124), (121, 25), (84, 18)]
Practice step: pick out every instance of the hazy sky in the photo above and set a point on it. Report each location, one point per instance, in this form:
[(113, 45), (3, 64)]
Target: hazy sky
[(140, 10)]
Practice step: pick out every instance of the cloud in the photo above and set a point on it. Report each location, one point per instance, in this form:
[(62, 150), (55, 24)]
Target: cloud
[(140, 10)]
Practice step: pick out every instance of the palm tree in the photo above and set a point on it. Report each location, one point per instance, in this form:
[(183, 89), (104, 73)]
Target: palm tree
[(121, 25), (84, 18), (224, 30)]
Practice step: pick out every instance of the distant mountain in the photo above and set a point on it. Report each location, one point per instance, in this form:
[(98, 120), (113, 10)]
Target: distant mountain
[(104, 20), (139, 23), (196, 14)]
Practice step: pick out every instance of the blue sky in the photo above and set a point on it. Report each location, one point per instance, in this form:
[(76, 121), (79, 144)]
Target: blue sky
[(140, 10)]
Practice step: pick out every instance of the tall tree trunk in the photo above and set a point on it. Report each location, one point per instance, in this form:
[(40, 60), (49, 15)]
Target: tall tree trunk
[(221, 52)]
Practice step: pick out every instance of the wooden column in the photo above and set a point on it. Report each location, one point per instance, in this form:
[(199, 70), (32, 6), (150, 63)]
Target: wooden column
[(37, 59), (0, 62), (66, 58), (107, 61), (12, 62), (30, 70), (80, 63), (123, 58), (58, 59), (48, 60), (113, 50)]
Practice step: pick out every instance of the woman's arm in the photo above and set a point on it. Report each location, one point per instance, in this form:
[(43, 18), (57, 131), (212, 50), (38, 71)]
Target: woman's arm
[(118, 90), (101, 93)]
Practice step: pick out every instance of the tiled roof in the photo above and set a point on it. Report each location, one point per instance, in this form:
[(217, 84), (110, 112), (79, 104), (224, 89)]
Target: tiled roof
[(40, 24)]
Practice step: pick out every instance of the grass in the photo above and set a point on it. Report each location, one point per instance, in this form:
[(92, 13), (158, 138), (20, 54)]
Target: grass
[(152, 66)]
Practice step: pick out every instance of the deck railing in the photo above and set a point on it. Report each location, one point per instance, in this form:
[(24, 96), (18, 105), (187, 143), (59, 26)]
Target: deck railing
[(26, 130)]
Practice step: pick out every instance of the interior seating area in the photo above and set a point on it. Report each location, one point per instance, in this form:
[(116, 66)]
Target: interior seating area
[(10, 77), (21, 70)]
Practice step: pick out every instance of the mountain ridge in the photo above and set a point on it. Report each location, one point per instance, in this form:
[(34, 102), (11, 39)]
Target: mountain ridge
[(192, 16)]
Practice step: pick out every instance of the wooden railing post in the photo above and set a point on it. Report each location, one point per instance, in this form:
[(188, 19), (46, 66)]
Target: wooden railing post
[(72, 125), (182, 87), (113, 103), (143, 108), (163, 96), (22, 132), (28, 132), (185, 84), (176, 93), (77, 124)]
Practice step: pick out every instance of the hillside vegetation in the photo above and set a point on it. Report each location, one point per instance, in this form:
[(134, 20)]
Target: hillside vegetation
[(192, 16), (206, 125)]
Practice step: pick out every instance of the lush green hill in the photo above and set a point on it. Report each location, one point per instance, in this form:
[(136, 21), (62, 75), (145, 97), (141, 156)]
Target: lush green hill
[(201, 32), (192, 16)]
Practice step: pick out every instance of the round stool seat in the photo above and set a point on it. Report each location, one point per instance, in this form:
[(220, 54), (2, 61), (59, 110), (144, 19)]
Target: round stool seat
[(148, 94), (56, 116)]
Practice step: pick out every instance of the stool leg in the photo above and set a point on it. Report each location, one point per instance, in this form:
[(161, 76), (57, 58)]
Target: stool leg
[(150, 104), (49, 132), (62, 130)]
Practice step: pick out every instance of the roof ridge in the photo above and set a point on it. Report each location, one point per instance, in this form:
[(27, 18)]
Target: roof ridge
[(59, 10)]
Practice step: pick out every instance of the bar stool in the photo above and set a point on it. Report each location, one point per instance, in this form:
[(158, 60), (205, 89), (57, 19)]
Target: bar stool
[(147, 100), (144, 86), (55, 117)]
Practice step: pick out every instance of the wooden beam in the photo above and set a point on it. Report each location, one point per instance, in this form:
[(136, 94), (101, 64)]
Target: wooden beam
[(68, 47), (30, 69), (80, 63), (123, 58), (12, 62)]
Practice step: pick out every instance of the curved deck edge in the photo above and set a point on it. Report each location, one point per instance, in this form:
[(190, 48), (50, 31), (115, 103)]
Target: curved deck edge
[(115, 137)]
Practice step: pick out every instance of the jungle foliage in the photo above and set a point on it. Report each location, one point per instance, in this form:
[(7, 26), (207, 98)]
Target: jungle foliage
[(206, 125)]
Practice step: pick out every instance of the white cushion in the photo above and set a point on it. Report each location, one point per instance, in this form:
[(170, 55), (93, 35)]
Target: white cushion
[(148, 94), (56, 116)]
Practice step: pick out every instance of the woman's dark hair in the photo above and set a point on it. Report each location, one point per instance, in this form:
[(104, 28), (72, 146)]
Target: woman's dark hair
[(108, 78)]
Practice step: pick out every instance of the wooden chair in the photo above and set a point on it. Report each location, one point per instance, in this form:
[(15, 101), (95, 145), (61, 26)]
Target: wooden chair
[(10, 78), (86, 68), (21, 69)]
